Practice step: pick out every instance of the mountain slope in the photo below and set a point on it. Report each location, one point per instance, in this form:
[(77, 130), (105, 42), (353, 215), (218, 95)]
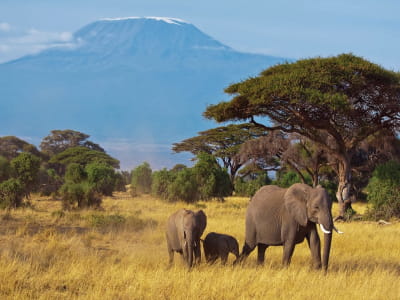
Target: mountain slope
[(145, 81)]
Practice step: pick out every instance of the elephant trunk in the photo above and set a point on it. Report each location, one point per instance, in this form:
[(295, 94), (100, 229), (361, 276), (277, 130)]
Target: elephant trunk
[(327, 250), (190, 256), (190, 253), (326, 224)]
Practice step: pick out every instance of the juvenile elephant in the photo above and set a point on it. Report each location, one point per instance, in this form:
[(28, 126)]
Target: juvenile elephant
[(218, 245), (184, 229), (284, 217)]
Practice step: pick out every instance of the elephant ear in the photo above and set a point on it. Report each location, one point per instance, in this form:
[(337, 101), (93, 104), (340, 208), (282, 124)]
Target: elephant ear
[(295, 202), (200, 215)]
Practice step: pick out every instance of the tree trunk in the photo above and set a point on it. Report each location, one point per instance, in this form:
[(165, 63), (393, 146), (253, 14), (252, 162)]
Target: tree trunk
[(343, 191)]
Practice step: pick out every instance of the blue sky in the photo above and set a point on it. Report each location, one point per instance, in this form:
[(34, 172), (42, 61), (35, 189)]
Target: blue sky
[(293, 29)]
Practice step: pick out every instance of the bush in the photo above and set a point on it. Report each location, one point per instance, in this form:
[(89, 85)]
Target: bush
[(383, 191), (26, 168), (212, 180), (160, 182), (101, 177), (49, 182), (75, 173), (11, 193), (141, 179), (79, 195), (184, 187), (5, 169)]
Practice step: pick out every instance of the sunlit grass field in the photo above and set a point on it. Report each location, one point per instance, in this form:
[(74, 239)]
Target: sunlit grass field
[(119, 252)]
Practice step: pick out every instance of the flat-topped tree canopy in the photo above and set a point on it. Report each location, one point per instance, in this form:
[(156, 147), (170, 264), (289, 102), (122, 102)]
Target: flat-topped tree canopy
[(222, 142), (336, 102)]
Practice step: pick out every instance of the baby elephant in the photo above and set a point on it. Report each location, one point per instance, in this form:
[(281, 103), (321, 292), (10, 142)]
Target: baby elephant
[(218, 245)]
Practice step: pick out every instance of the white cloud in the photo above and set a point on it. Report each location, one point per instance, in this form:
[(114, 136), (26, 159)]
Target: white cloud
[(5, 27), (16, 43)]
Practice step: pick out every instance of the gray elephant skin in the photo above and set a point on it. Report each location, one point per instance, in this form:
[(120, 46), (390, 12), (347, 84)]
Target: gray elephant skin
[(285, 217), (184, 229), (218, 245)]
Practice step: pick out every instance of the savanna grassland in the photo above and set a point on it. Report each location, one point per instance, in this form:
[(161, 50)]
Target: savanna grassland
[(119, 252)]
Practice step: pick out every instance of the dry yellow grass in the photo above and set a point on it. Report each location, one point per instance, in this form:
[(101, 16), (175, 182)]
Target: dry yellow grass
[(120, 253)]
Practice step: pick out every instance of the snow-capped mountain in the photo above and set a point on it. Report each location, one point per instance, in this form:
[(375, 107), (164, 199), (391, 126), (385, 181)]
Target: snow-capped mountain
[(145, 81)]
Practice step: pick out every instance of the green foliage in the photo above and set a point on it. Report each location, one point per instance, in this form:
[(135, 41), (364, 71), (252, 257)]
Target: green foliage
[(383, 191), (11, 147), (82, 156), (49, 182), (11, 193), (79, 195), (101, 177), (331, 187), (120, 182), (141, 179), (160, 182), (211, 179), (248, 187), (26, 168), (223, 143), (75, 173), (60, 140), (84, 187), (5, 169), (184, 187)]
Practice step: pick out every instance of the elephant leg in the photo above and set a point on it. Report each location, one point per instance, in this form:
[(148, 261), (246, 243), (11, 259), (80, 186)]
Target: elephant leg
[(245, 252), (212, 258), (288, 249), (224, 258), (170, 253), (197, 254), (261, 253), (315, 247)]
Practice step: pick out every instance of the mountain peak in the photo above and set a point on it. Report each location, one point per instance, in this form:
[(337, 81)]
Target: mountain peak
[(168, 20)]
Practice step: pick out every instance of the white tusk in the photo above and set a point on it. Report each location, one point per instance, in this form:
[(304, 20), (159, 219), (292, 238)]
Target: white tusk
[(324, 230), (337, 230)]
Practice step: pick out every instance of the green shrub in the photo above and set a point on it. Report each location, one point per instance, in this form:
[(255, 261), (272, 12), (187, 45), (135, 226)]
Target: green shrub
[(184, 187), (75, 173), (160, 182), (5, 169), (79, 195), (384, 191), (101, 177), (141, 179), (26, 169), (11, 193), (212, 180)]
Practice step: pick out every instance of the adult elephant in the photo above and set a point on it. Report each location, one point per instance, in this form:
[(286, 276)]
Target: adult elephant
[(285, 217), (184, 229)]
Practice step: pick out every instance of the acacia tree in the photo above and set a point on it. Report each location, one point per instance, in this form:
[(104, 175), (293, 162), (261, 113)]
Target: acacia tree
[(275, 150), (223, 143), (11, 147), (336, 102), (60, 140)]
